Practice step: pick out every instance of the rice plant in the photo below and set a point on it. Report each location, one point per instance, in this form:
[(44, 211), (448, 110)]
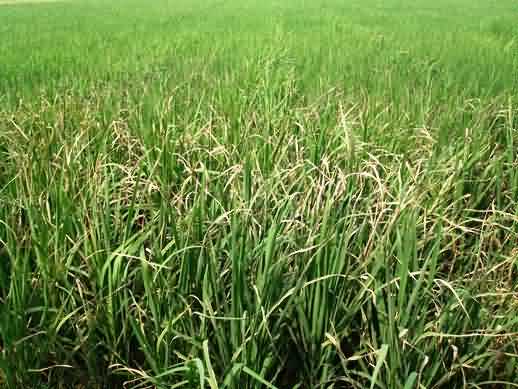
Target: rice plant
[(250, 194)]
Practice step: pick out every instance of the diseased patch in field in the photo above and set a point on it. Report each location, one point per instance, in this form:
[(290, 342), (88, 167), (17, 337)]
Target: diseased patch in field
[(257, 194)]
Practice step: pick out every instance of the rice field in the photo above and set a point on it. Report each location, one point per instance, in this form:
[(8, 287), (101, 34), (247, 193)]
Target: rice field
[(235, 194)]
